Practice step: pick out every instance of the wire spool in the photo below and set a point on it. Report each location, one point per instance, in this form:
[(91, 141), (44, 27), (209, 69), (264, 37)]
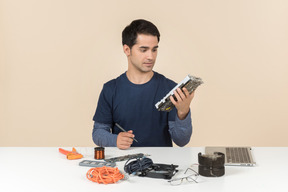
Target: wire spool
[(99, 153), (104, 175)]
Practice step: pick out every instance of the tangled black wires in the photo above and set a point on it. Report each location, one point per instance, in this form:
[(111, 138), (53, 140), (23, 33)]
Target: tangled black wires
[(138, 165)]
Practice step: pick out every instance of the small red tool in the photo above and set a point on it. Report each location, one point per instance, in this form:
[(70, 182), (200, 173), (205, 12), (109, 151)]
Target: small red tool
[(71, 154)]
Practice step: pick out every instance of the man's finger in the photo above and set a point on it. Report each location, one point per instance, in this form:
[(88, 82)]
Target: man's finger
[(127, 134), (181, 94), (172, 100), (176, 94), (186, 92), (122, 146), (128, 140)]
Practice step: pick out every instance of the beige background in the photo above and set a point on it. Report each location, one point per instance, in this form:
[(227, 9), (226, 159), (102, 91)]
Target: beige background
[(56, 55)]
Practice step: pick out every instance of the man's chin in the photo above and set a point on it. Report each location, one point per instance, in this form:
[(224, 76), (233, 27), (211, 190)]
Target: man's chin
[(147, 70)]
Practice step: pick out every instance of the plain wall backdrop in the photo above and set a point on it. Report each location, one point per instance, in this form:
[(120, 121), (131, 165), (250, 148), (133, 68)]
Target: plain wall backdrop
[(55, 56)]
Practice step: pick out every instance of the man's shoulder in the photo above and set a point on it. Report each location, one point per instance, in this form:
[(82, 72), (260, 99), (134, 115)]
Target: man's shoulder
[(113, 82), (110, 84), (161, 78)]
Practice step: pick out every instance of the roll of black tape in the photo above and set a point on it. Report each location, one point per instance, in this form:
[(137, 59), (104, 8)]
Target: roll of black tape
[(211, 165)]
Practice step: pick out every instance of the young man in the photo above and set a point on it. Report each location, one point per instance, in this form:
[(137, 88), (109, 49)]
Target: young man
[(129, 100)]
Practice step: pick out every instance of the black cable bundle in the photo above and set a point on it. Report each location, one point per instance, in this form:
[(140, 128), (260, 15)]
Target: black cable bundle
[(139, 165)]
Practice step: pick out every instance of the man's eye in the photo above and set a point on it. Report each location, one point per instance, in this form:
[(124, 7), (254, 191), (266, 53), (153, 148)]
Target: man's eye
[(143, 50), (154, 50)]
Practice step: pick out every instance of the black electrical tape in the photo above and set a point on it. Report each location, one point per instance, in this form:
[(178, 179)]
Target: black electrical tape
[(211, 165)]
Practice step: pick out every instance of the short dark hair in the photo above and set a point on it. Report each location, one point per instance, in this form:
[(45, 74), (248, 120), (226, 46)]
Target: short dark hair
[(140, 26)]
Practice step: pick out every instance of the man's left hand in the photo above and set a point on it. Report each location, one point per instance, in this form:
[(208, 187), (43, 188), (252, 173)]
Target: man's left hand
[(183, 102)]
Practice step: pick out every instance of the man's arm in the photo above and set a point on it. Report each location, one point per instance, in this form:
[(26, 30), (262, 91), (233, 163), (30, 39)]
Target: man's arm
[(181, 130), (102, 135)]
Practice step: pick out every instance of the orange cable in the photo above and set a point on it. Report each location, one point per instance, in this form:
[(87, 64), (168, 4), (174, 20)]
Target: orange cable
[(104, 175)]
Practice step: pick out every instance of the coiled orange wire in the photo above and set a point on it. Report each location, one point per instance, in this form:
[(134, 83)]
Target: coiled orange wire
[(105, 175)]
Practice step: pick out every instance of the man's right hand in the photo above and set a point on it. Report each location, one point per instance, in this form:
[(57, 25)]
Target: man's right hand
[(125, 139)]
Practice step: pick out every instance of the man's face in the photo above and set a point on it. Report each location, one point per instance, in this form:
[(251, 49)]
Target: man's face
[(142, 56)]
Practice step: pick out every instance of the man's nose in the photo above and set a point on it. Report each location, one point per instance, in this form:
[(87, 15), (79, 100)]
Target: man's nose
[(149, 55)]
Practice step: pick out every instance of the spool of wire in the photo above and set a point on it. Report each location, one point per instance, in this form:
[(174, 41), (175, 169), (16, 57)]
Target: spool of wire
[(99, 153)]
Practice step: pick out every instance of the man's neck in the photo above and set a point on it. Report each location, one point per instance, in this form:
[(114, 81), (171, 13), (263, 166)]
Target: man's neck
[(139, 77)]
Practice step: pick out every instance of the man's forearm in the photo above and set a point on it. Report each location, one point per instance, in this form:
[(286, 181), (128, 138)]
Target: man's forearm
[(181, 130), (102, 135)]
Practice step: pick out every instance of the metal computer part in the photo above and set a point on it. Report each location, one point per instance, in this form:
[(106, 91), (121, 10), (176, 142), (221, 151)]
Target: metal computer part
[(190, 83)]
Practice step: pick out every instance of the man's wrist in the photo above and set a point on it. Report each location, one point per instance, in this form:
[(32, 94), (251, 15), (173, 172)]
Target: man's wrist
[(182, 115)]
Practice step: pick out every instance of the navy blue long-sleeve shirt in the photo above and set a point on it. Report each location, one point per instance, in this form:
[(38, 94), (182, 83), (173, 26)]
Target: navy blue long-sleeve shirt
[(133, 107)]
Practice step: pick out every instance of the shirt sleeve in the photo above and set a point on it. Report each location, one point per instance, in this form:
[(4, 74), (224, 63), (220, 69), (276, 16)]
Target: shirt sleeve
[(102, 135), (103, 112), (181, 130)]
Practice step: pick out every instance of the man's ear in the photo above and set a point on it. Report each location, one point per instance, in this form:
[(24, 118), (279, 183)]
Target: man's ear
[(127, 50)]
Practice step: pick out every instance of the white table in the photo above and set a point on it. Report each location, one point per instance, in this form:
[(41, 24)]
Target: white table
[(45, 169)]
